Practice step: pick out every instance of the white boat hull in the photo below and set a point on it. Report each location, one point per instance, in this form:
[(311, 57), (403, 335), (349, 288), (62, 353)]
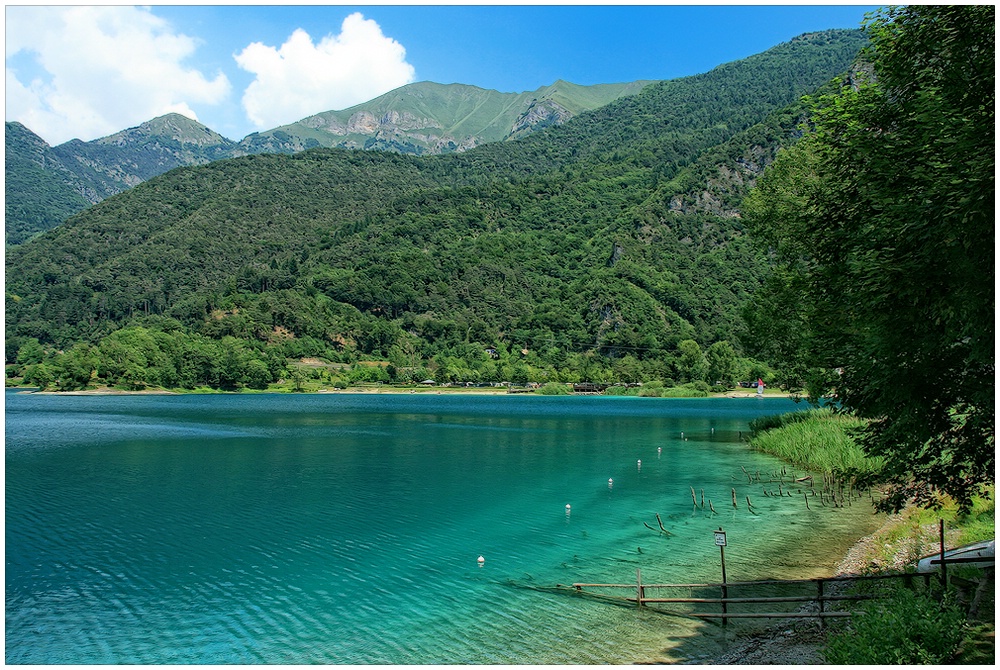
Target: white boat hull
[(979, 555)]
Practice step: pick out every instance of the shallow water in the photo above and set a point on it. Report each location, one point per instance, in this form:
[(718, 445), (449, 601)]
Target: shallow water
[(346, 528)]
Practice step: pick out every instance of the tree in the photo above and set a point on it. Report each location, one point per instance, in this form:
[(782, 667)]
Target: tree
[(74, 368), (721, 358), (881, 218), (256, 374), (38, 374), (30, 352), (691, 364)]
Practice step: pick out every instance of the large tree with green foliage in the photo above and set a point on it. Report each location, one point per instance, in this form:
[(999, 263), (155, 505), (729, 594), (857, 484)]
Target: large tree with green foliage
[(881, 220)]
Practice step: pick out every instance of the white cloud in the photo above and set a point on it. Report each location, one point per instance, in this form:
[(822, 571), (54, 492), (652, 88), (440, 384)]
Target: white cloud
[(98, 70), (302, 78)]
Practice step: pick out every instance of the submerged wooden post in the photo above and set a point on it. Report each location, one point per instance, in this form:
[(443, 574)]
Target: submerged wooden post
[(639, 590)]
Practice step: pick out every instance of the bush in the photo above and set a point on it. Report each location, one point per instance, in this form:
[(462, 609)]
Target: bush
[(621, 391), (905, 628), (553, 388), (692, 390)]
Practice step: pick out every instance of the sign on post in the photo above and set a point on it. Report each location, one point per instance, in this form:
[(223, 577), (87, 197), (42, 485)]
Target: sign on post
[(720, 542)]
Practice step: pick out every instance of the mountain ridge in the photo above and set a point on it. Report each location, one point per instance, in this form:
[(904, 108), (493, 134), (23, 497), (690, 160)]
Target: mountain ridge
[(97, 169), (428, 118)]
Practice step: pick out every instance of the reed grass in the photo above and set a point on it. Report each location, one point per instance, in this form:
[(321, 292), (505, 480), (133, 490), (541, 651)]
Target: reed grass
[(820, 440)]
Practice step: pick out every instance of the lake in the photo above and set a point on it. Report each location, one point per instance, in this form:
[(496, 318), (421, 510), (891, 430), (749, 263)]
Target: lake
[(346, 528)]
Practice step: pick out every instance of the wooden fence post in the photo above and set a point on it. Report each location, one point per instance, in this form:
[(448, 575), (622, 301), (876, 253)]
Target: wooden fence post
[(944, 566), (725, 588)]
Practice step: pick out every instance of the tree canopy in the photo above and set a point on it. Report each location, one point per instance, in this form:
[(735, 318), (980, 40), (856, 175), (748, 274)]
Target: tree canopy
[(882, 223)]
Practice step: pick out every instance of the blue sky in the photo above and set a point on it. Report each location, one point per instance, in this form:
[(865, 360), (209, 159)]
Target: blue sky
[(86, 72)]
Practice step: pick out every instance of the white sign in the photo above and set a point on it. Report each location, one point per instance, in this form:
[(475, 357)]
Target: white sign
[(720, 538)]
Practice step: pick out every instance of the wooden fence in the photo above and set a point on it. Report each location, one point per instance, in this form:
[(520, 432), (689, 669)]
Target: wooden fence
[(819, 593)]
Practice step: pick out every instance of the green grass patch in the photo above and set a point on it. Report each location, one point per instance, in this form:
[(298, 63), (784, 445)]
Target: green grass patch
[(817, 439), (690, 390), (976, 525)]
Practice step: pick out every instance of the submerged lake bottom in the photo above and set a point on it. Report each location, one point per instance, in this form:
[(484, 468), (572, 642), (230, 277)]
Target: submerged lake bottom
[(347, 529)]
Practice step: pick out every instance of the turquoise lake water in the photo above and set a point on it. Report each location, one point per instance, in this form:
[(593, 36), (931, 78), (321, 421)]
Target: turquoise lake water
[(346, 528)]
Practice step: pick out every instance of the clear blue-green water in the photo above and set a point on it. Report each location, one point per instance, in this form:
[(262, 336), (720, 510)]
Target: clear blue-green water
[(346, 528)]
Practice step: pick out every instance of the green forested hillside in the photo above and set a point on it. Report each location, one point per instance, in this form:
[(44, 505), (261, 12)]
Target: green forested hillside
[(40, 191), (45, 185), (608, 248)]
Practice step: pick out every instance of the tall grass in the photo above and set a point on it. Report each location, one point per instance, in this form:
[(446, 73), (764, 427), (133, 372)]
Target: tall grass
[(817, 439)]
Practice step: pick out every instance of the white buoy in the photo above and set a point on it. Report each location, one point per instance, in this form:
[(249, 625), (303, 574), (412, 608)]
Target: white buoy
[(480, 560), (567, 508), (638, 464)]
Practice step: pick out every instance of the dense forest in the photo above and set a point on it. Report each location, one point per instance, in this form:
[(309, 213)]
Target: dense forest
[(606, 249)]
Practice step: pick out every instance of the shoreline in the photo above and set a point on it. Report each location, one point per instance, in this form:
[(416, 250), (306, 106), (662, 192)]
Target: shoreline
[(104, 390)]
